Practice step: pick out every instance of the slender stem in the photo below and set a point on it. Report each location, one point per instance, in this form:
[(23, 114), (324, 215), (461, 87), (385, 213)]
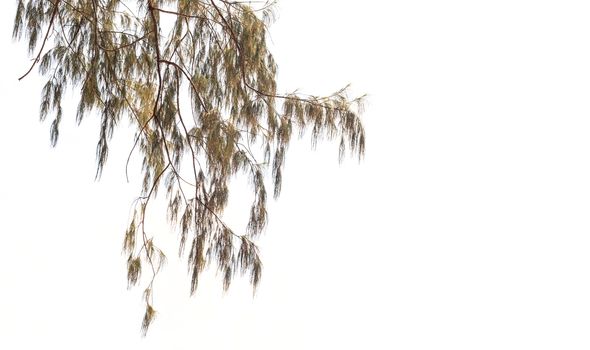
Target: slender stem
[(53, 15)]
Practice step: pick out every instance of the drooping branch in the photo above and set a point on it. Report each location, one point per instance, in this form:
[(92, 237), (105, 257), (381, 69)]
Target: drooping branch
[(128, 63)]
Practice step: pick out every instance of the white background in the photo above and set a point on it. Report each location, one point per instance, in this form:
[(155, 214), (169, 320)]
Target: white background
[(465, 227)]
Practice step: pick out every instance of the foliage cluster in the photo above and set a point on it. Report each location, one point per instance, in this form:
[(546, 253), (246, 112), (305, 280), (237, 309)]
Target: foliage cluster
[(197, 82)]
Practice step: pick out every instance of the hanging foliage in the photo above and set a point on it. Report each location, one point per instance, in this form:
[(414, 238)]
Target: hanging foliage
[(197, 82)]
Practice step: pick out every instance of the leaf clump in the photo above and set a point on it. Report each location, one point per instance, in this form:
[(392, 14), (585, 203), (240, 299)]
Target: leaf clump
[(197, 82)]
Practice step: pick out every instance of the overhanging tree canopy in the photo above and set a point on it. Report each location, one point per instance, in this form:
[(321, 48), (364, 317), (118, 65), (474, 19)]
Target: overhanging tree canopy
[(197, 81)]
